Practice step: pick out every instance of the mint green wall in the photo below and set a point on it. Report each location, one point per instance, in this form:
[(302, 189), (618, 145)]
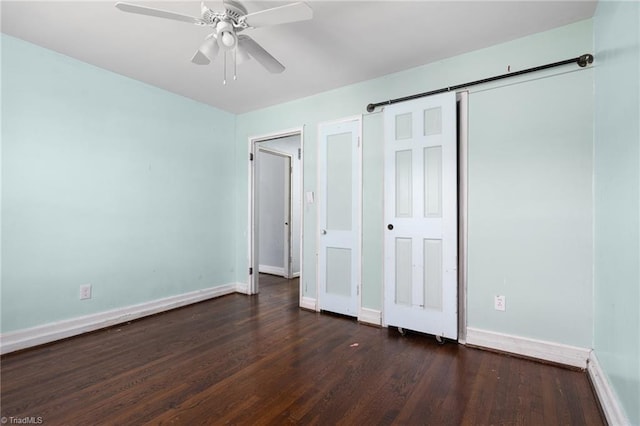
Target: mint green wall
[(547, 134), (107, 181), (530, 208), (617, 199)]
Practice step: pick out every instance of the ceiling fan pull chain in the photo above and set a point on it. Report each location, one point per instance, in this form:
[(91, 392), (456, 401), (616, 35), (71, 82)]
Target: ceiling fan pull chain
[(224, 66), (235, 63)]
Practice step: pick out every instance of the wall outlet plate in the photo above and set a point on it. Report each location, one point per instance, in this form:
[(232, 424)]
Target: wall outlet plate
[(499, 303), (85, 291)]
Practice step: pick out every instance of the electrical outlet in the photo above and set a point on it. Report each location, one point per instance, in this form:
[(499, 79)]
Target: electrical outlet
[(85, 291), (499, 303)]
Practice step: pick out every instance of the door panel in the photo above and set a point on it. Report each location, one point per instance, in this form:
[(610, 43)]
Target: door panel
[(339, 191), (287, 216), (272, 212), (404, 180), (338, 271), (421, 215), (274, 189), (433, 274), (433, 181), (404, 280), (339, 217)]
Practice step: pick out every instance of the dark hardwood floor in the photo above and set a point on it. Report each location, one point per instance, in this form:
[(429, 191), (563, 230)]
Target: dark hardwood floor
[(262, 360)]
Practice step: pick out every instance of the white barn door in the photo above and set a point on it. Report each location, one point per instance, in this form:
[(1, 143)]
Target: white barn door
[(339, 199), (421, 277)]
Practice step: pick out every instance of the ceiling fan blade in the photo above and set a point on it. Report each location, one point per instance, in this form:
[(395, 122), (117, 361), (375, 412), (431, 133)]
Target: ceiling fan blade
[(259, 54), (242, 55), (200, 58), (279, 15), (207, 51), (158, 13)]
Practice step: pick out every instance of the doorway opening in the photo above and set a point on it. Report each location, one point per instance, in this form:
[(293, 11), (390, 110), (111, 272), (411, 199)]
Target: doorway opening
[(275, 206)]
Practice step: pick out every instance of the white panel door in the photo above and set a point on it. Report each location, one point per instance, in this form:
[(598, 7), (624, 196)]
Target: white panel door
[(339, 217), (421, 277), (287, 216), (274, 192)]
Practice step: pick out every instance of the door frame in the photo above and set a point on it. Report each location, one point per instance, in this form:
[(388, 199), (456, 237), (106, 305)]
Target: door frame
[(287, 205), (357, 118), (462, 105), (252, 207)]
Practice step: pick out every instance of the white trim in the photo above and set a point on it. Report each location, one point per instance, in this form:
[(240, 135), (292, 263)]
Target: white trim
[(360, 210), (242, 288), (252, 257), (370, 316), (26, 338), (274, 151), (273, 270), (463, 215), (609, 401), (539, 349), (302, 218), (309, 303)]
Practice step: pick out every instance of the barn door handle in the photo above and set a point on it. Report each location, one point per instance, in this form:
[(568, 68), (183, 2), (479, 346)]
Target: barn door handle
[(390, 227)]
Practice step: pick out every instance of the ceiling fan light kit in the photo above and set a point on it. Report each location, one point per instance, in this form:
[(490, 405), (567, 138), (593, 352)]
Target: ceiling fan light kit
[(226, 35), (226, 25)]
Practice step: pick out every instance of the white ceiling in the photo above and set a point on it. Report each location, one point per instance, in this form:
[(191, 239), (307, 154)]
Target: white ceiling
[(346, 42)]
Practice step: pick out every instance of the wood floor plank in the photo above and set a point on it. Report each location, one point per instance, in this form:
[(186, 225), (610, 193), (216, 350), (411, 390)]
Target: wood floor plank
[(262, 360)]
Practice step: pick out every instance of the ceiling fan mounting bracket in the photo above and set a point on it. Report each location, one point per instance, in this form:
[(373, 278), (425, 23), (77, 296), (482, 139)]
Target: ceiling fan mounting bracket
[(234, 10), (233, 13)]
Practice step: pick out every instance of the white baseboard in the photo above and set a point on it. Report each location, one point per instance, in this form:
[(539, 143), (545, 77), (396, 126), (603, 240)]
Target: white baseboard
[(242, 288), (273, 270), (295, 275), (609, 401), (308, 303), (26, 338), (539, 349), (370, 316)]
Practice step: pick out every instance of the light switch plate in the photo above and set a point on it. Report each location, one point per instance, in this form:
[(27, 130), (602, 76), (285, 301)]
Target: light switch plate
[(500, 303)]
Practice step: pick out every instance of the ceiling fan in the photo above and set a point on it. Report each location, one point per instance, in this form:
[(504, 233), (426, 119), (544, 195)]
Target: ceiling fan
[(227, 23)]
